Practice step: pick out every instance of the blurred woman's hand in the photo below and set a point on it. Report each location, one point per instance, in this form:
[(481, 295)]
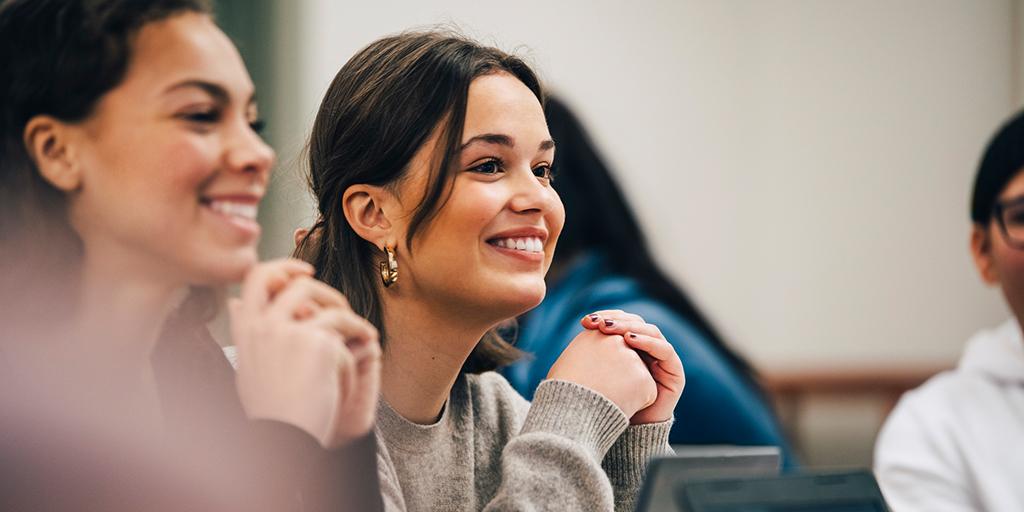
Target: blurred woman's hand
[(657, 353), (304, 357), (608, 366)]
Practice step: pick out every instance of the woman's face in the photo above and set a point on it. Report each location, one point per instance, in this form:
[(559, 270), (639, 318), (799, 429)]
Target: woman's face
[(487, 250), (171, 169)]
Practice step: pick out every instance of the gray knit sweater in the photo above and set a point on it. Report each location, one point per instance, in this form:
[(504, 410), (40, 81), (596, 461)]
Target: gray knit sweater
[(572, 449)]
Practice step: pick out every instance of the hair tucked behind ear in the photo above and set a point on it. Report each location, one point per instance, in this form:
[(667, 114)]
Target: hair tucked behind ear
[(59, 57), (380, 109)]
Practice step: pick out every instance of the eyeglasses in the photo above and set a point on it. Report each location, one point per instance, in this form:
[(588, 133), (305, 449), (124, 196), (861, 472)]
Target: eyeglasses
[(1010, 216)]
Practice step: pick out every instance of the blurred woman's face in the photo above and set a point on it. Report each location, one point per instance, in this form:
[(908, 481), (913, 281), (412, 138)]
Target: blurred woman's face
[(490, 244), (172, 169)]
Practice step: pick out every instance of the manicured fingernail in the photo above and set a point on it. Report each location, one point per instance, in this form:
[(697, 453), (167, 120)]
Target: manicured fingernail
[(594, 318), (631, 335), (609, 323)]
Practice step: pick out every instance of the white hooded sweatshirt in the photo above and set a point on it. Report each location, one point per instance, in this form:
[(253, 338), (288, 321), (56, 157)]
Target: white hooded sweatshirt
[(957, 442)]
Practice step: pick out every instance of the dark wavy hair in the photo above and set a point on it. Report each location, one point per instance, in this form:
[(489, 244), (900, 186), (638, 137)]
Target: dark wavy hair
[(382, 106), (58, 57)]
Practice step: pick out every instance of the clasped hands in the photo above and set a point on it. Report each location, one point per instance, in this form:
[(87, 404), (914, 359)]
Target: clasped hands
[(304, 357), (628, 361)]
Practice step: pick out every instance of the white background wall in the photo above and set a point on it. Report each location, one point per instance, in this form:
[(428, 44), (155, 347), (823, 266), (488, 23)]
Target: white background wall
[(803, 166)]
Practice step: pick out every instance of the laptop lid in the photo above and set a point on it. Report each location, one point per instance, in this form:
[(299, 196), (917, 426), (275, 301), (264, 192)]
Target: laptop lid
[(814, 492), (665, 474)]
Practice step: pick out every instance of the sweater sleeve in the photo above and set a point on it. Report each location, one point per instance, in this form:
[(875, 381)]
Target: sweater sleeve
[(554, 462), (626, 461)]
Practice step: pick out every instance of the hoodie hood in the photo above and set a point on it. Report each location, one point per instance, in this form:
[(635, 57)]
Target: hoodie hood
[(997, 353)]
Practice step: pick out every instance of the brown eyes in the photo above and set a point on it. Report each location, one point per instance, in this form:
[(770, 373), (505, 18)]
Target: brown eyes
[(496, 166), (489, 167), (545, 172)]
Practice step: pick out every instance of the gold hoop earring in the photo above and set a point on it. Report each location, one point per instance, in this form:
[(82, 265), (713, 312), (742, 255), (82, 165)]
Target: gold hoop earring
[(389, 268)]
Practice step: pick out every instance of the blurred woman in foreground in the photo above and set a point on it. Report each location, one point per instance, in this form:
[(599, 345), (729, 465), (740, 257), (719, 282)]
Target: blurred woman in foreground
[(130, 175)]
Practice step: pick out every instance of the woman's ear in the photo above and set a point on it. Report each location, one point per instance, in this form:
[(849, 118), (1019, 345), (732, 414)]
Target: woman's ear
[(299, 234), (981, 250), (366, 208), (47, 141)]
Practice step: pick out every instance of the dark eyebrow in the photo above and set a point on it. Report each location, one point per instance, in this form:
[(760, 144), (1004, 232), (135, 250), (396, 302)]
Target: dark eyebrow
[(219, 94), (490, 138), (503, 140)]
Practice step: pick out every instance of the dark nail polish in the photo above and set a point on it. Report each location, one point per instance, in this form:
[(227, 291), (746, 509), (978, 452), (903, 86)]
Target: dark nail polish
[(594, 318), (608, 323), (631, 335)]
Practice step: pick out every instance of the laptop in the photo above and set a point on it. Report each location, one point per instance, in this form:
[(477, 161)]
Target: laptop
[(855, 491), (692, 462)]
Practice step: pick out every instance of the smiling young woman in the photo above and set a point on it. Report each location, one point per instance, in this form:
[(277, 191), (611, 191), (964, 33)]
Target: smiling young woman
[(431, 162), (130, 174)]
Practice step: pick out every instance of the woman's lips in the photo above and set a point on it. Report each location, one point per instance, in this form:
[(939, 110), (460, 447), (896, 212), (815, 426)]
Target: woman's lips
[(239, 214)]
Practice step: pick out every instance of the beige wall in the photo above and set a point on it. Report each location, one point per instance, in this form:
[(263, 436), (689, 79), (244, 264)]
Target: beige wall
[(803, 166)]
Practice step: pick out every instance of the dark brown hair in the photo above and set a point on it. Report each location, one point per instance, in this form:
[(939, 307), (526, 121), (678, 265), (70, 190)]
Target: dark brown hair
[(382, 106), (58, 57)]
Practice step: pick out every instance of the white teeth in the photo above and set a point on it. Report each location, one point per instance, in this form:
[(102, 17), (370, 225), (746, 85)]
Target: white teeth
[(243, 210), (531, 244)]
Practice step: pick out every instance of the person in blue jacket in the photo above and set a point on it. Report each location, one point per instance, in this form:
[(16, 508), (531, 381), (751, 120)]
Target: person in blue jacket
[(603, 263)]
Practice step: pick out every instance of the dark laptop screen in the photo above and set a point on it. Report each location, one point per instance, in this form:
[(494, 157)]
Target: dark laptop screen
[(831, 507), (854, 491)]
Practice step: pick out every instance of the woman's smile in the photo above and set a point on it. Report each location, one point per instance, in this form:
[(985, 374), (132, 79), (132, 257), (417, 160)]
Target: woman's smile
[(523, 244), (236, 213)]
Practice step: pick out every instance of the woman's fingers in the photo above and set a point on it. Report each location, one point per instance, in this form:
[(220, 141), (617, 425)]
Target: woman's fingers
[(598, 318), (659, 349), (621, 327), (347, 369), (365, 349), (670, 381), (265, 280), (302, 291), (359, 336), (618, 322)]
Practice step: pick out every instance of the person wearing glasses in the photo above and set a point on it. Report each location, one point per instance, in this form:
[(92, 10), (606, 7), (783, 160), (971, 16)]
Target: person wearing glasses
[(954, 444)]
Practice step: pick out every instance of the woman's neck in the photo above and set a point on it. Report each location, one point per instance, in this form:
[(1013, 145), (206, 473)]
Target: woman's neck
[(120, 311), (116, 325), (423, 355)]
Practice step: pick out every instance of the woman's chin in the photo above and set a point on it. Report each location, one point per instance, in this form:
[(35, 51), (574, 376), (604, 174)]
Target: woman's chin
[(226, 271), (524, 299)]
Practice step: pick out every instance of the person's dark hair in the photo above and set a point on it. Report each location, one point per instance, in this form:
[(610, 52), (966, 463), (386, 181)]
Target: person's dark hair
[(382, 106), (583, 179), (1003, 159), (58, 57)]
